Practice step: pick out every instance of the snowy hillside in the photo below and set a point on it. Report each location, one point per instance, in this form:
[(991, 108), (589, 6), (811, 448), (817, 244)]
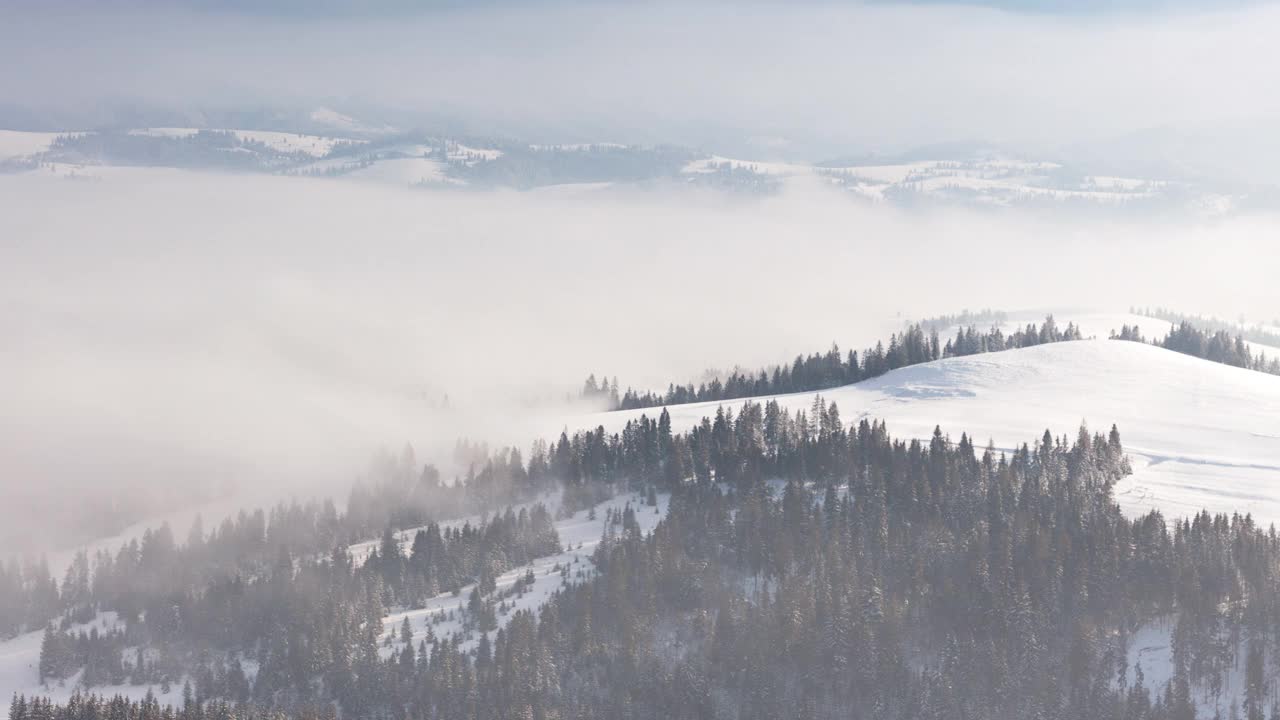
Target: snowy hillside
[(285, 142), (20, 674), (445, 615), (1100, 325), (1093, 325), (1200, 434)]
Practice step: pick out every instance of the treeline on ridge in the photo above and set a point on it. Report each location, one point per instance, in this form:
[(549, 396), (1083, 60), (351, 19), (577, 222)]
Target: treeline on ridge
[(1217, 346), (821, 371), (1257, 333)]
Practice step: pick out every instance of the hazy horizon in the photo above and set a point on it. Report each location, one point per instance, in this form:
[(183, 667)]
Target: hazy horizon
[(812, 82)]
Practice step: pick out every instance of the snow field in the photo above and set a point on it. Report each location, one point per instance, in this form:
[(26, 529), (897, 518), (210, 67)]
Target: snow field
[(285, 142)]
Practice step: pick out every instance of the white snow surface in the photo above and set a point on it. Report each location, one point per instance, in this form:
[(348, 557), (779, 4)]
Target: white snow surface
[(1100, 325), (579, 537), (20, 673), (287, 142), (1201, 435), (1093, 325), (314, 145), (1150, 647), (471, 155)]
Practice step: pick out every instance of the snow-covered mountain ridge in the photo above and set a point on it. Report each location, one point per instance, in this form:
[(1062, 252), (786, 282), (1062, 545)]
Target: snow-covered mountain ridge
[(390, 157), (1201, 435)]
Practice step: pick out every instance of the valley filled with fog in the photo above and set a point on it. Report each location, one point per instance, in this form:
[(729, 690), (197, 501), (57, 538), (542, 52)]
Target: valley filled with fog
[(206, 333), (703, 361)]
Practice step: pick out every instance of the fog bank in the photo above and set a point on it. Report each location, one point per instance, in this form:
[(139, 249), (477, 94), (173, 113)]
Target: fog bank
[(174, 331)]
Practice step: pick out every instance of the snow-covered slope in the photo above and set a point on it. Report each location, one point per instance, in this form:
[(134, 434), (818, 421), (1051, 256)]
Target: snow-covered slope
[(1200, 434), (285, 142), (20, 671), (1092, 324), (579, 536), (1100, 325)]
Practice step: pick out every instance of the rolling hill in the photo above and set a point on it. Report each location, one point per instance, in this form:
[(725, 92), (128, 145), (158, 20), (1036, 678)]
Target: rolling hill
[(1200, 435)]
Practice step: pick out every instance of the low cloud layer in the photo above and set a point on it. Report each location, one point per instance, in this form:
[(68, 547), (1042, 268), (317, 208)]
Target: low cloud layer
[(177, 331)]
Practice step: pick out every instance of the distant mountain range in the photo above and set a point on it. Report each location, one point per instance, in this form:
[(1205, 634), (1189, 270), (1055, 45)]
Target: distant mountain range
[(327, 143)]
